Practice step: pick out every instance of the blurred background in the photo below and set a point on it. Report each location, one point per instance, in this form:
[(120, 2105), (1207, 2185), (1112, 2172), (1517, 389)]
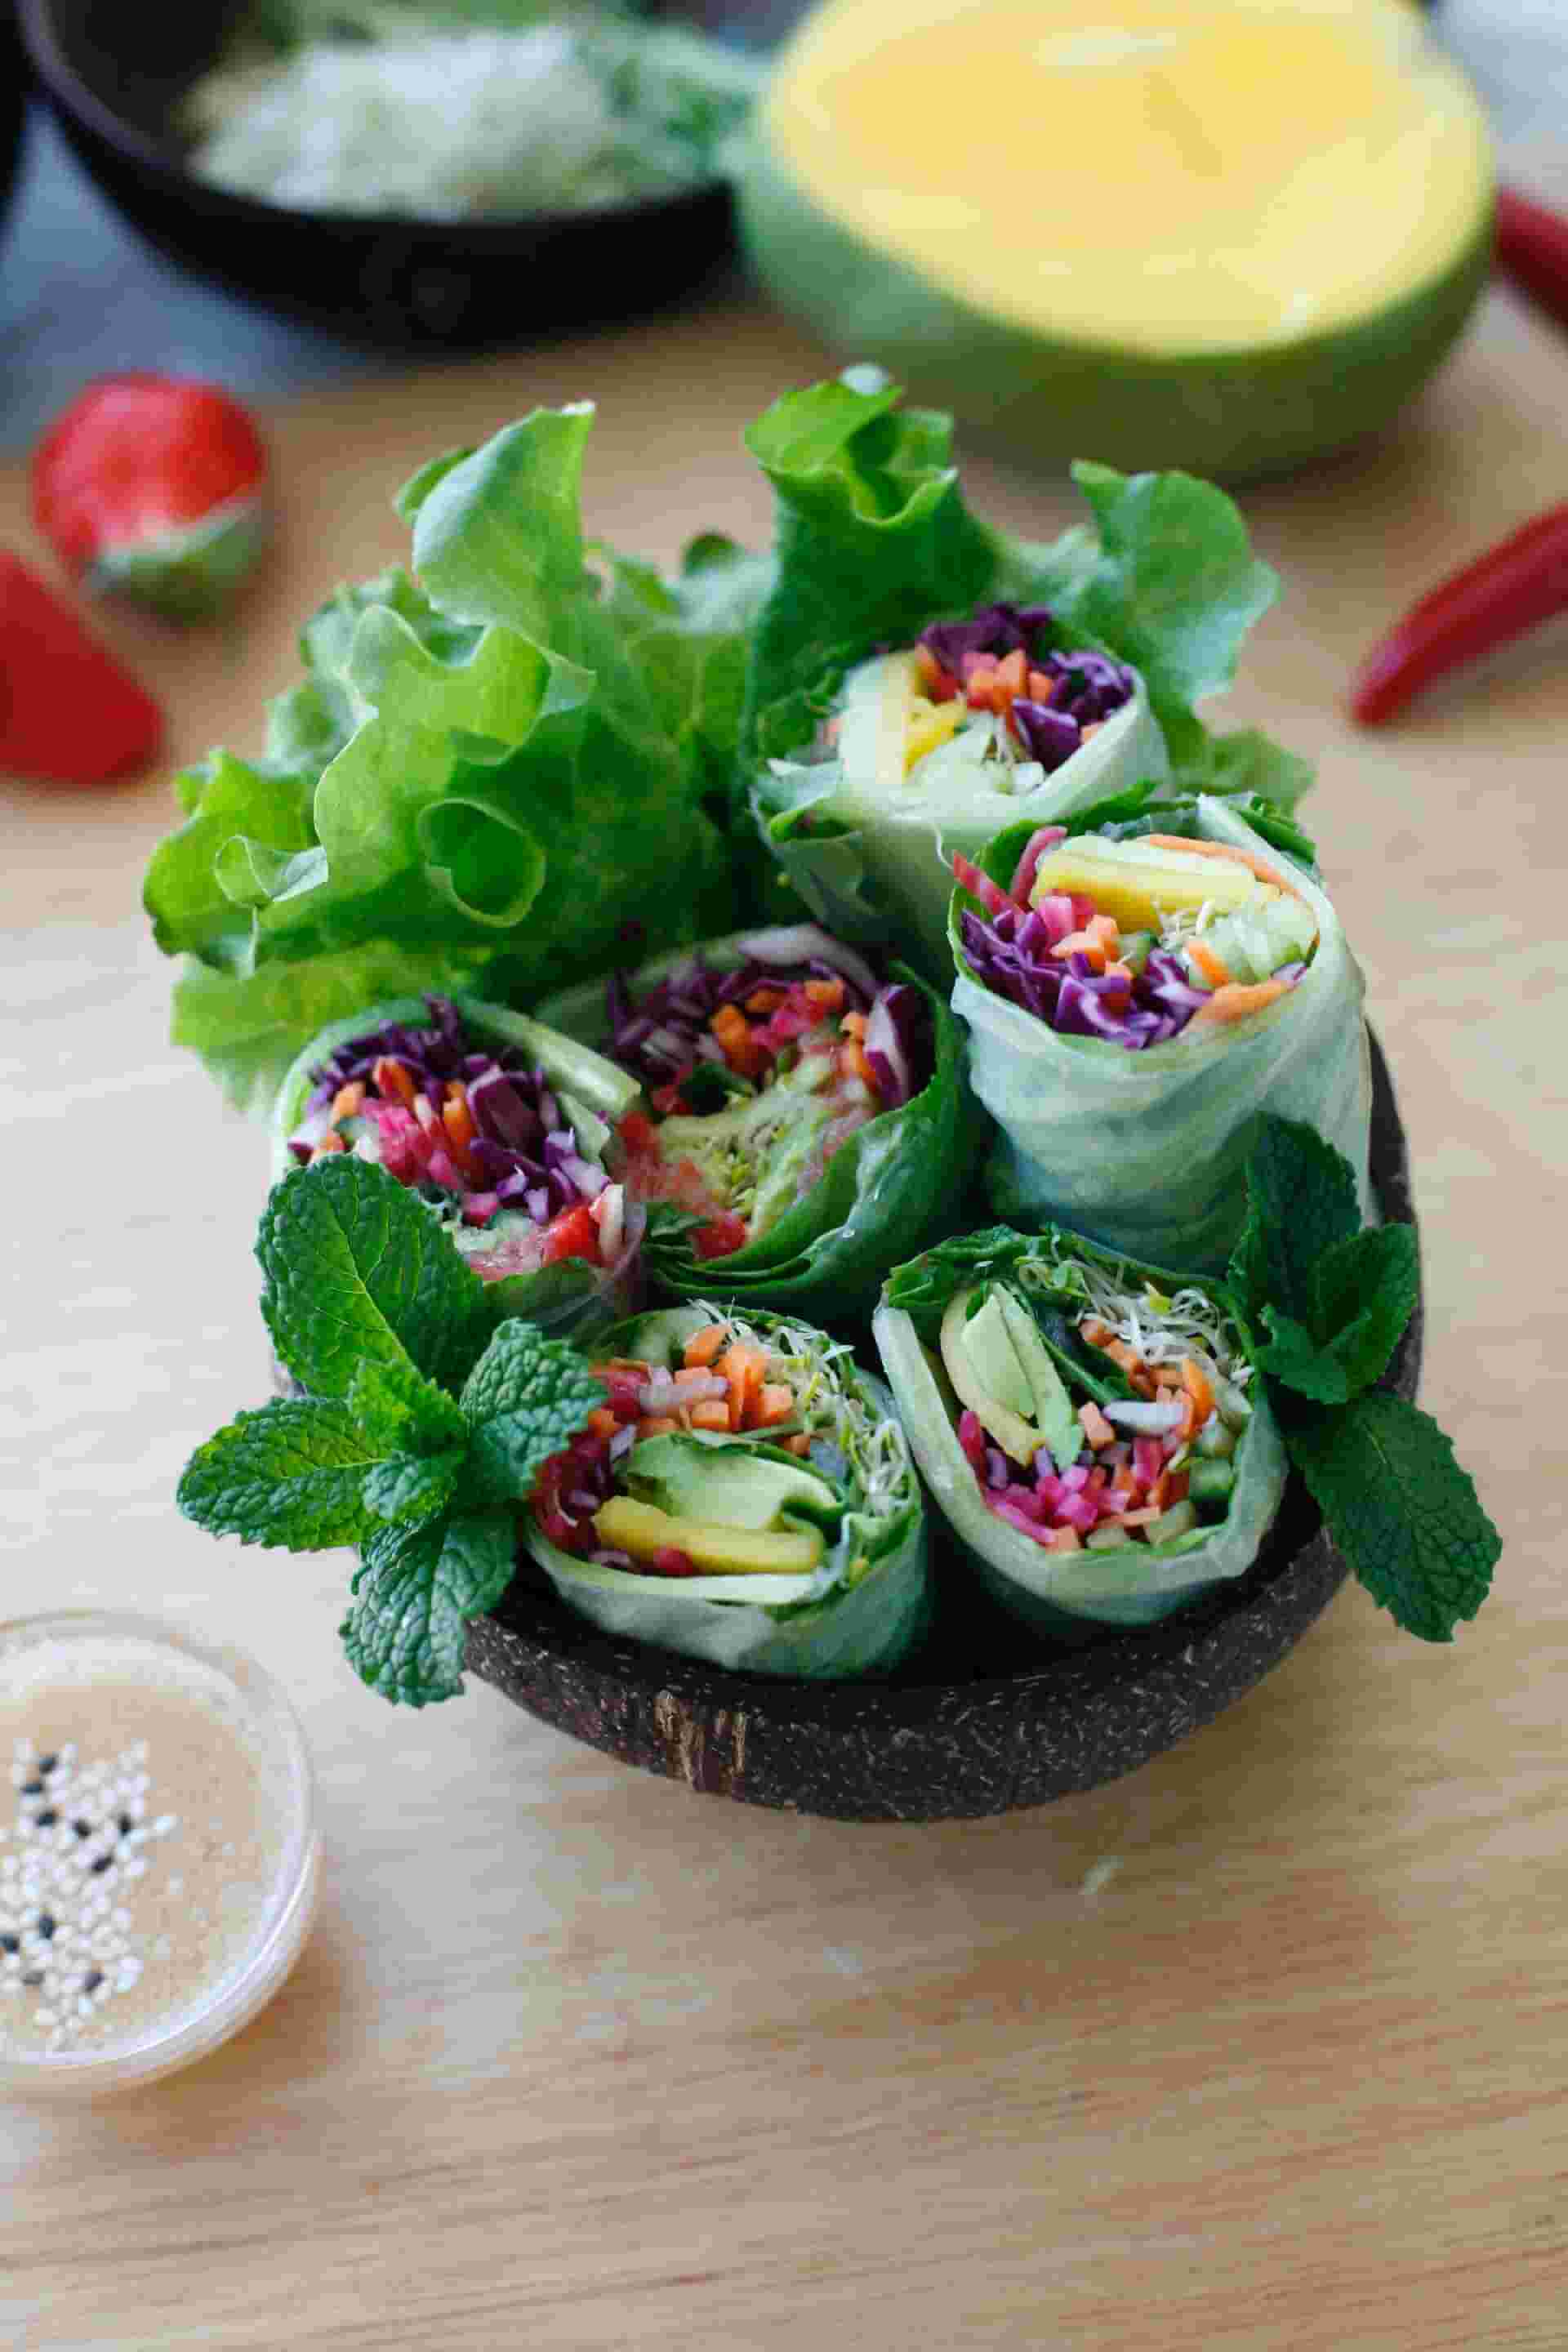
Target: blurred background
[(82, 292)]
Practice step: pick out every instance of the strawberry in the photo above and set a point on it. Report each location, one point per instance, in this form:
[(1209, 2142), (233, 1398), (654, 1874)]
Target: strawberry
[(68, 713), (153, 486)]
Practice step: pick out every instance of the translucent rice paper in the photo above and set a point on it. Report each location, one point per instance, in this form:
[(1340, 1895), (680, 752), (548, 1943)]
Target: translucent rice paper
[(568, 1298), (867, 847), (1146, 1151), (843, 1629), (1133, 1585), (894, 1185)]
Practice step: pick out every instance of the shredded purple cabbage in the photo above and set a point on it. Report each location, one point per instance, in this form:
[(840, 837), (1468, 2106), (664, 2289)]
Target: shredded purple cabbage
[(999, 629), (1011, 955), (661, 1034), (524, 1144)]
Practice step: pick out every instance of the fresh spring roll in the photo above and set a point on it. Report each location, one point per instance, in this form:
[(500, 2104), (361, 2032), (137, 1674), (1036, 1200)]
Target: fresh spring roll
[(811, 1118), (746, 1495), (1138, 995), (1091, 1427), (505, 1128), (982, 723)]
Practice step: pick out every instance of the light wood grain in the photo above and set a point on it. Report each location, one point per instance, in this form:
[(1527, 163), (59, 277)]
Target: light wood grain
[(1260, 2051)]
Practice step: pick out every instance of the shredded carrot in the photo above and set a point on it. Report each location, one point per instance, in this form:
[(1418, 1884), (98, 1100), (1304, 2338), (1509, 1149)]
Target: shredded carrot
[(1083, 943), (602, 1421), (1012, 677), (744, 1367), (1235, 1001), (799, 1445), (459, 1121), (690, 1373), (1041, 688), (1063, 1540), (1096, 1428), (1227, 850), (394, 1081), (331, 1141), (1215, 969), (1107, 930), (775, 1403), (713, 1413), (1092, 728), (348, 1101), (852, 1061), (741, 1050), (763, 1000), (1195, 1380), (1160, 1492), (704, 1345), (854, 1024), (1121, 972), (1139, 1518), (655, 1424), (1095, 1333), (826, 993)]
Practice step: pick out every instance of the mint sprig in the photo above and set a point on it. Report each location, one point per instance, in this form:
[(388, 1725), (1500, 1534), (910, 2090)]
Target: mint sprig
[(1327, 1303), (426, 1418)]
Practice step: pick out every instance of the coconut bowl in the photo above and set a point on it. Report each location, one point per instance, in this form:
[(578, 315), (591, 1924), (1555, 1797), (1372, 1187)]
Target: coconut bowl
[(986, 1719)]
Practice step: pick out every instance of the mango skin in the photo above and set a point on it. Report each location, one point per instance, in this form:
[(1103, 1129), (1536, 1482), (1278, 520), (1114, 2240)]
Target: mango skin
[(1233, 416)]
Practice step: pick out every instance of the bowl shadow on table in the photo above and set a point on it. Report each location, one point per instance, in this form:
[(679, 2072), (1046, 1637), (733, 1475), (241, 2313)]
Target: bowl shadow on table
[(115, 81), (986, 1719)]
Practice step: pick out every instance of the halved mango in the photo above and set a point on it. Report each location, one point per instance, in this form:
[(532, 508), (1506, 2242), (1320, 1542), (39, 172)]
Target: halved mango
[(625, 1524)]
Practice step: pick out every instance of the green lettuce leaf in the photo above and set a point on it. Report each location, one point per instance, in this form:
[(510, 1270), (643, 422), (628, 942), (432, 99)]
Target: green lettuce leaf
[(449, 791)]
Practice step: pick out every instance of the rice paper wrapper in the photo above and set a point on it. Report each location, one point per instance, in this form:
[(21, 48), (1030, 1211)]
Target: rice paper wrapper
[(1147, 1151), (571, 1298), (872, 865), (853, 1629), (1057, 1592), (893, 1186)]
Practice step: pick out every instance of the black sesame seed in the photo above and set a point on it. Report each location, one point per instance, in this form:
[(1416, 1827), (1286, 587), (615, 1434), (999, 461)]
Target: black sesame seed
[(32, 1788), (10, 1943), (34, 1977), (83, 1829), (45, 1925), (92, 1983), (126, 1824), (47, 1818), (48, 1763), (101, 1865)]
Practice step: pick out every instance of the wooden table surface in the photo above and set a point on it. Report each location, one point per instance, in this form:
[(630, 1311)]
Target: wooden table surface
[(1263, 2047)]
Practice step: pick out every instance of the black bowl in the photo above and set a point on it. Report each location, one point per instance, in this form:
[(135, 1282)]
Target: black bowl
[(114, 78), (962, 1730), (15, 78)]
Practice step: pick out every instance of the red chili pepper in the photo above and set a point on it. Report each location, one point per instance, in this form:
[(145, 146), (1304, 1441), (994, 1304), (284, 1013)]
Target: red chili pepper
[(68, 713), (1517, 584), (1531, 248), (152, 486)]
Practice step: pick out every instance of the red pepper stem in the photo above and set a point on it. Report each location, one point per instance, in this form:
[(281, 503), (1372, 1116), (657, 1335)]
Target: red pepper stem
[(1516, 585), (1531, 249)]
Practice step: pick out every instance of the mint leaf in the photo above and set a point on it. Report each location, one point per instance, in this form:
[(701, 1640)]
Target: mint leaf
[(357, 1268), (1291, 1354), (413, 1487), (291, 1474), (415, 1591), (1403, 1512), (1301, 1202), (400, 1412), (526, 1398), (1364, 1295)]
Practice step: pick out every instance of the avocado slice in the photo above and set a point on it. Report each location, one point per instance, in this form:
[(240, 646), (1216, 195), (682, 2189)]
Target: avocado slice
[(970, 1381), (1060, 1430), (626, 1525), (725, 1483)]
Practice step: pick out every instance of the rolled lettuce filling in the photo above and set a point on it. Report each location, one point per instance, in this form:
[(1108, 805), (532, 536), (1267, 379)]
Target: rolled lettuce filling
[(1138, 993), (1091, 1426), (504, 1129), (745, 1494), (980, 722), (807, 1118)]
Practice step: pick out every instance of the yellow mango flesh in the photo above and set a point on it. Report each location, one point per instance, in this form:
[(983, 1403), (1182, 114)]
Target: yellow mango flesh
[(628, 1525), (1141, 893), (1161, 176)]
